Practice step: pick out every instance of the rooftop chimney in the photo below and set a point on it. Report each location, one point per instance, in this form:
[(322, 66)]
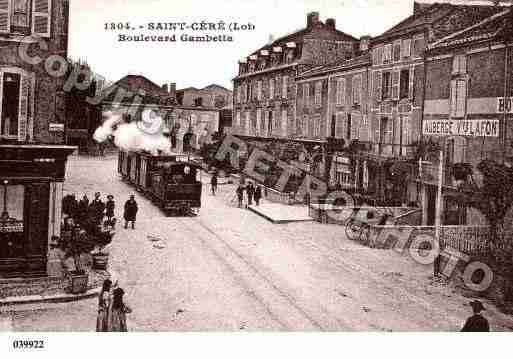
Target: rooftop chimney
[(364, 43), (312, 19), (331, 24), (419, 6), (172, 89), (165, 87)]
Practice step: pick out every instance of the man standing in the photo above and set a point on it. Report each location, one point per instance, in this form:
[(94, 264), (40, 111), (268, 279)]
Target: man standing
[(240, 194), (213, 183), (130, 213), (250, 189), (258, 194), (476, 323), (97, 208), (110, 209)]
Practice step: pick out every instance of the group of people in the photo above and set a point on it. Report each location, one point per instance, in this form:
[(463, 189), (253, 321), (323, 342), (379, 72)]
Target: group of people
[(246, 194), (88, 213), (112, 310)]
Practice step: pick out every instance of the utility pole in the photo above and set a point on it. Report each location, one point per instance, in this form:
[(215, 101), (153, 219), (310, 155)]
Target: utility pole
[(438, 214)]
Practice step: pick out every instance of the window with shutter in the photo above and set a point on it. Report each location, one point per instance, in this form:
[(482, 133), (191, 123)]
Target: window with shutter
[(5, 16), (285, 80), (397, 51), (397, 131), (357, 88), (339, 124), (271, 88), (406, 50), (459, 66), (419, 45), (355, 126), (284, 120), (247, 123), (411, 87), (237, 119), (406, 140), (377, 86), (349, 125), (304, 125), (458, 98), (15, 89), (404, 86), (386, 85), (387, 53), (318, 93), (259, 90), (41, 17), (395, 84), (258, 124), (341, 91)]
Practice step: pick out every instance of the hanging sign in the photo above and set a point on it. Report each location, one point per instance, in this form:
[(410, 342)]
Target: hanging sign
[(471, 128)]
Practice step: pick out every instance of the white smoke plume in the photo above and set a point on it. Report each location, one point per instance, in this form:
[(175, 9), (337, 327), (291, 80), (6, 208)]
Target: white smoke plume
[(130, 136)]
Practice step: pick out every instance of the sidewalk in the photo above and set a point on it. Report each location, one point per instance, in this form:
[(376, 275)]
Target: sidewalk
[(281, 213)]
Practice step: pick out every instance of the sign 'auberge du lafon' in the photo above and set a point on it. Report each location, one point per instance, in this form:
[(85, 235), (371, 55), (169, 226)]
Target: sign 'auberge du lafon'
[(471, 128)]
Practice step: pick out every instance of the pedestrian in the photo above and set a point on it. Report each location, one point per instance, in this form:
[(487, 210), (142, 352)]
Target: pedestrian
[(476, 323), (130, 213), (118, 312), (82, 209), (97, 208), (109, 209), (240, 194), (250, 190), (213, 183), (101, 149), (258, 194), (104, 302)]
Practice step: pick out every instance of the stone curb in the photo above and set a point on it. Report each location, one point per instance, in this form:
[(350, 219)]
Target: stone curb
[(57, 298)]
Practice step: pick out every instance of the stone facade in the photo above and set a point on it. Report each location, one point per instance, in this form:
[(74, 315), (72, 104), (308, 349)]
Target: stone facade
[(42, 96), (33, 38), (265, 89), (214, 96), (468, 77)]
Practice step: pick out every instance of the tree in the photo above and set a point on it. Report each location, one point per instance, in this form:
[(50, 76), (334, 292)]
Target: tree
[(494, 199)]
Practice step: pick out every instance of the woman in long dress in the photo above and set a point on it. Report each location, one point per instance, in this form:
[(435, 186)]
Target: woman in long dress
[(118, 312), (104, 301)]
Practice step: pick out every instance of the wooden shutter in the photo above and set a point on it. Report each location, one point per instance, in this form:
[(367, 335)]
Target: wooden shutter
[(397, 130), (339, 124), (271, 88), (397, 51), (5, 16), (406, 50), (1, 95), (378, 93), (23, 110), (411, 85), (406, 131), (356, 122), (284, 120), (453, 98), (461, 98), (41, 17), (396, 76), (341, 91)]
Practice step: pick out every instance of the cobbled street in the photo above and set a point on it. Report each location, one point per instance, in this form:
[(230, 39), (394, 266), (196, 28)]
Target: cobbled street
[(229, 269)]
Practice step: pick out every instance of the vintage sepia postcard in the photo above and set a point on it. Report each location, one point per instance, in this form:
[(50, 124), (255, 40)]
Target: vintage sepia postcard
[(241, 166)]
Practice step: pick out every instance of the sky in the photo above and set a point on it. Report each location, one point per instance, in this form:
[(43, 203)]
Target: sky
[(200, 64)]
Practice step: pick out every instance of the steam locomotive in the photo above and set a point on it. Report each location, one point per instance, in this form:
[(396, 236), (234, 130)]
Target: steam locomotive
[(172, 182)]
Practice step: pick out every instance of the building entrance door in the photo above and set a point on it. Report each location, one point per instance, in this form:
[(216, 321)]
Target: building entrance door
[(431, 205)]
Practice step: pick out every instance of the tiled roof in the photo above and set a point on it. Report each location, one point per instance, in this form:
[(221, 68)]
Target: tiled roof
[(438, 12), (489, 28), (136, 85), (339, 65)]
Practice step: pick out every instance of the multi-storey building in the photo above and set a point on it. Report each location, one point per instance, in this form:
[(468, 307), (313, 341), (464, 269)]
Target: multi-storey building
[(468, 106), (32, 116), (398, 87), (214, 96), (265, 90), (338, 109)]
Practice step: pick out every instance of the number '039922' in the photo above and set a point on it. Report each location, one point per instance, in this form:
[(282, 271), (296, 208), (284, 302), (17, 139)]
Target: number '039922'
[(28, 344)]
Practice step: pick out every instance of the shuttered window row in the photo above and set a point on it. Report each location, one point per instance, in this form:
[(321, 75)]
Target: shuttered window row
[(19, 17)]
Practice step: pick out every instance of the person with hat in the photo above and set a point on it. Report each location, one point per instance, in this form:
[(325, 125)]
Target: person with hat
[(130, 213), (476, 323), (109, 212), (97, 208), (118, 312)]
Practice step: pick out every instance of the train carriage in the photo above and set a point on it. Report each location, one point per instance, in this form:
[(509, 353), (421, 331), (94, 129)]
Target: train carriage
[(171, 181)]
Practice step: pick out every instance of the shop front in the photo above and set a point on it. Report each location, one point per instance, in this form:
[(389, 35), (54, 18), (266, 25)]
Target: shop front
[(31, 183)]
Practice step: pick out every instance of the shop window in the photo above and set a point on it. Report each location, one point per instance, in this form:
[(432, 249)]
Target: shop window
[(11, 220)]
